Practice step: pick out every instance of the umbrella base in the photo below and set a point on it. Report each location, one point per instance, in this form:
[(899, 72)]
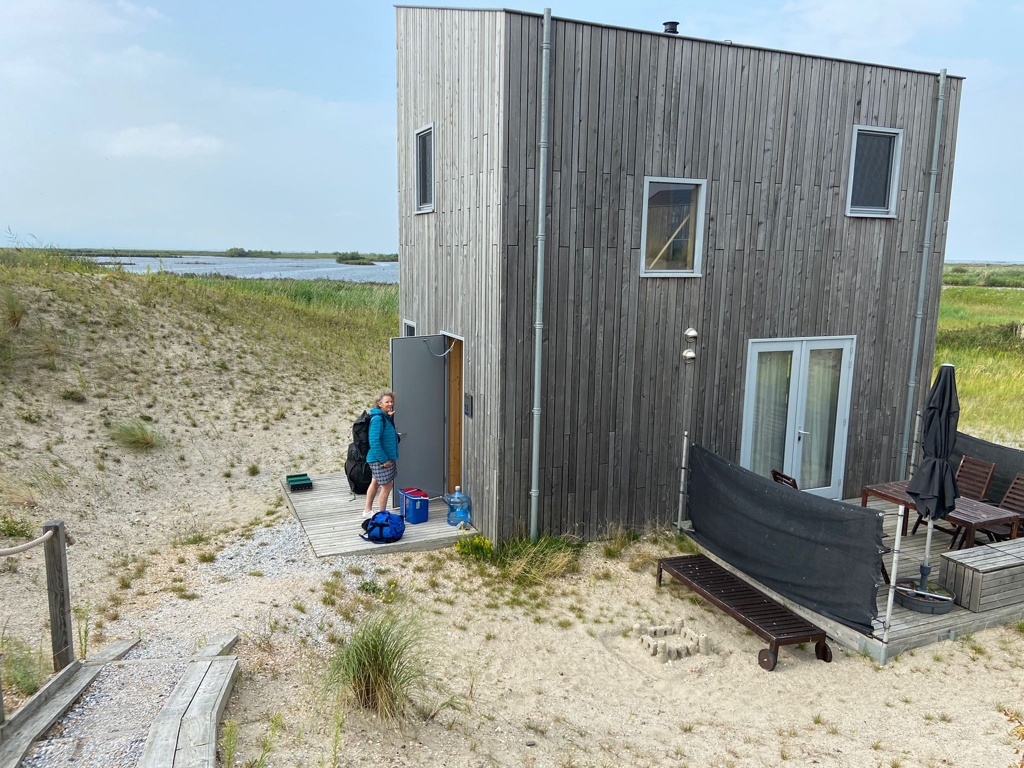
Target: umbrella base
[(923, 603)]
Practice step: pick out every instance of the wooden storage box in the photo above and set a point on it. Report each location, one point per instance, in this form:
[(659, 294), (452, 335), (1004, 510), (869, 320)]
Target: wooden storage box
[(986, 577)]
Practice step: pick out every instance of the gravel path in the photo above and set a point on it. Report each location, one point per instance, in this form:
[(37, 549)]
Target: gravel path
[(107, 727)]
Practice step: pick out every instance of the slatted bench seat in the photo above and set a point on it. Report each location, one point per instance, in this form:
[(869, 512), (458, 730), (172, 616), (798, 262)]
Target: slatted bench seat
[(749, 606), (985, 577)]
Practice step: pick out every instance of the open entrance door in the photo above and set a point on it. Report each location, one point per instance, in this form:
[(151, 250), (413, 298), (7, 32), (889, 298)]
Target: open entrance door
[(426, 375)]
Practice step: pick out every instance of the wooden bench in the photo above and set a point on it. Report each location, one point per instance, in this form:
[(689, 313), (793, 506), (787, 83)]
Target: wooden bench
[(749, 606), (985, 577)]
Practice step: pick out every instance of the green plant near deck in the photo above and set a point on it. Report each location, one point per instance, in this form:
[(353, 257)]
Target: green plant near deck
[(381, 666), (136, 434), (528, 562), (618, 540)]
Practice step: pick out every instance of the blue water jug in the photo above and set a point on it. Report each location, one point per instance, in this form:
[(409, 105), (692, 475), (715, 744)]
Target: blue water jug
[(459, 507)]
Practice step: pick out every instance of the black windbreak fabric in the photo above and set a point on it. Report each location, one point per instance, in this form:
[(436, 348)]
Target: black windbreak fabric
[(1009, 461), (825, 555)]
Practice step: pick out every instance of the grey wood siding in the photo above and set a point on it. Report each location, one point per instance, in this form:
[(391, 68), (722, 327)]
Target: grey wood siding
[(770, 132), (451, 73)]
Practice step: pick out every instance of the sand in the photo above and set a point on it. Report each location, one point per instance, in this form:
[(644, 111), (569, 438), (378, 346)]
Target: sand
[(552, 676)]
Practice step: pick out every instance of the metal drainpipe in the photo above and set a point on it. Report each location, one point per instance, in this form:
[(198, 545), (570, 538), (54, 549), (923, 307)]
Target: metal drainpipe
[(925, 256), (538, 323)]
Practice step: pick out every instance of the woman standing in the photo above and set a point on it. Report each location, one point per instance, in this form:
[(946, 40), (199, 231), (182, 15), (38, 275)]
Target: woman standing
[(383, 454)]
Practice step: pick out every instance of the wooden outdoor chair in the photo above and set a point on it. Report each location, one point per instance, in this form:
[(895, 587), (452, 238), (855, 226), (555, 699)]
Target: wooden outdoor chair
[(1013, 500), (783, 479), (973, 478)]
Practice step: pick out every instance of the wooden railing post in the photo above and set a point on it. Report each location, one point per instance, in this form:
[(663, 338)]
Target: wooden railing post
[(59, 593), (1, 695)]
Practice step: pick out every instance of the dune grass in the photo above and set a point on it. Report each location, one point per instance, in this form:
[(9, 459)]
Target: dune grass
[(988, 275), (381, 666)]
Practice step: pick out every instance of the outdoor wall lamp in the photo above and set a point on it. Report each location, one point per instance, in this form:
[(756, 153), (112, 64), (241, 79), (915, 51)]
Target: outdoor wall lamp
[(690, 334), (689, 356)]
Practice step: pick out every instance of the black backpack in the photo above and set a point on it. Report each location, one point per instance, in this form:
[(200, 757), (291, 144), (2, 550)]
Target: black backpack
[(361, 434), (383, 528), (357, 471)]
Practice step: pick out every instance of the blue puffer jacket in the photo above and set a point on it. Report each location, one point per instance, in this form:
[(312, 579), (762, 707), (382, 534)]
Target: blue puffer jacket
[(383, 438)]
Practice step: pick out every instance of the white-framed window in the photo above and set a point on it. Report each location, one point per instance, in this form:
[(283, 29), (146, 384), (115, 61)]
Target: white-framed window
[(673, 226), (425, 169), (874, 171)]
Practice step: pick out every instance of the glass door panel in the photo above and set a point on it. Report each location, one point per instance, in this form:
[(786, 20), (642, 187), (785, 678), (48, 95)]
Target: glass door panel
[(771, 412), (796, 410)]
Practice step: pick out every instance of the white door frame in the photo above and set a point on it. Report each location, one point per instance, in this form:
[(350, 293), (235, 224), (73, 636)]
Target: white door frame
[(801, 348)]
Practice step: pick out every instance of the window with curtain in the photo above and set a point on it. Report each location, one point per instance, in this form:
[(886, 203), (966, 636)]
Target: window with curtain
[(673, 227), (771, 412)]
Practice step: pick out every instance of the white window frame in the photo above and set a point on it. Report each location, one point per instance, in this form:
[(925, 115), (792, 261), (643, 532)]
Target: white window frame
[(894, 180), (423, 206), (698, 245)]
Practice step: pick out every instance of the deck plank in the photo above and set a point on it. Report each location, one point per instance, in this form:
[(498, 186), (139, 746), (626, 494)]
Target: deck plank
[(332, 520)]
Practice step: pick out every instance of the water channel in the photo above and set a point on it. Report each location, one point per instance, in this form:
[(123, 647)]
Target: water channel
[(256, 267)]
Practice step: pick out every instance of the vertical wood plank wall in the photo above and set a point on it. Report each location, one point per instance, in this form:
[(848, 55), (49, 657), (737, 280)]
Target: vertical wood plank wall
[(451, 72), (771, 133)]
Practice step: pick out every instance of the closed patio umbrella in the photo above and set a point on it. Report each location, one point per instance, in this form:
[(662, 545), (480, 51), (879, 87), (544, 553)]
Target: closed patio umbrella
[(933, 485)]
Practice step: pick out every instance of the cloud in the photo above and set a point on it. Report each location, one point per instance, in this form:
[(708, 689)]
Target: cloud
[(169, 141)]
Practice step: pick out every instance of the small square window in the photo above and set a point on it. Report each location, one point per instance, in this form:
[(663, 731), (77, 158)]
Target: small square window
[(874, 171), (673, 227), (425, 169)]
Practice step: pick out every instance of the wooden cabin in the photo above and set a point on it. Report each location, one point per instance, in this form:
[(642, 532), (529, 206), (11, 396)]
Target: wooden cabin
[(773, 202)]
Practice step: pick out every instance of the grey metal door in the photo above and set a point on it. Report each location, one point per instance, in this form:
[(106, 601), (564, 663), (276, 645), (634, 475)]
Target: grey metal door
[(418, 376)]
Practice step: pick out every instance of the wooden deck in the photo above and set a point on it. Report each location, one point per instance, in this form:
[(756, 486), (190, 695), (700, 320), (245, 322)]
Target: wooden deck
[(909, 629), (332, 519)]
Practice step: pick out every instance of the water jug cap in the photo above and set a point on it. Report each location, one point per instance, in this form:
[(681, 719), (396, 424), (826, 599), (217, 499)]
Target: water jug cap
[(458, 488)]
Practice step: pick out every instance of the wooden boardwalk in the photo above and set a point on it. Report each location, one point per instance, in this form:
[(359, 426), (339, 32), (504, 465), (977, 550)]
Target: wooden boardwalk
[(332, 519)]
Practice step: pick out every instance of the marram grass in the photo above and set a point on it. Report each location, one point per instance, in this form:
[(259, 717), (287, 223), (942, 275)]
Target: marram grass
[(381, 666)]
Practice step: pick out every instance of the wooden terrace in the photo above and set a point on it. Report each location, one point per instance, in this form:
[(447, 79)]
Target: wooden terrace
[(910, 629), (332, 519)]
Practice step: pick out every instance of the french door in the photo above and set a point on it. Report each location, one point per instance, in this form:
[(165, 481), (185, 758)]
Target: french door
[(796, 410)]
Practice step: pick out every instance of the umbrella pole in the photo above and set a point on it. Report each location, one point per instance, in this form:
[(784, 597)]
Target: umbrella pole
[(892, 574), (926, 567)]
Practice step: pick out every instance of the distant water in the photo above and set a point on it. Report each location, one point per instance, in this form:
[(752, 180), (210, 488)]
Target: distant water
[(296, 269)]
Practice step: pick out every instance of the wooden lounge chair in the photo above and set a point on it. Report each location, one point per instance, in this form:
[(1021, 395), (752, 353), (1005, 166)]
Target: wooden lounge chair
[(1013, 500), (973, 478)]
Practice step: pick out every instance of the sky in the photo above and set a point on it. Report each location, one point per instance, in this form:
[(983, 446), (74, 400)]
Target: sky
[(214, 124)]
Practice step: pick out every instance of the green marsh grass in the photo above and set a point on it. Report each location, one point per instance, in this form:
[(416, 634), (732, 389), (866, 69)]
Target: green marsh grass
[(979, 332), (988, 275)]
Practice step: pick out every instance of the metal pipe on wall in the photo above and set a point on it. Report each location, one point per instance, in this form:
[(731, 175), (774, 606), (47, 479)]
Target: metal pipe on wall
[(538, 323), (926, 253)]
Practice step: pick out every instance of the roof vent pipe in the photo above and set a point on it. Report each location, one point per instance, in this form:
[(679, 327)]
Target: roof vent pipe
[(671, 27)]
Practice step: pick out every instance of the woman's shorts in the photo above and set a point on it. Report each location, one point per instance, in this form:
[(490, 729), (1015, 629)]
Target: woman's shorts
[(382, 474)]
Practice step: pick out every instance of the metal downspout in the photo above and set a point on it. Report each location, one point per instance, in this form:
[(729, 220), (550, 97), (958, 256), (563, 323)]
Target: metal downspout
[(538, 323), (925, 257)]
